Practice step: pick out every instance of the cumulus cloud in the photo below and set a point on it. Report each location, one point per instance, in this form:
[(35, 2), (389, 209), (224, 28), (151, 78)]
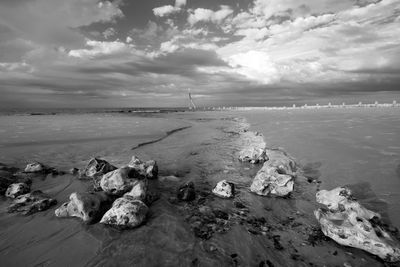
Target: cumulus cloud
[(315, 48), (208, 15), (164, 11), (97, 48)]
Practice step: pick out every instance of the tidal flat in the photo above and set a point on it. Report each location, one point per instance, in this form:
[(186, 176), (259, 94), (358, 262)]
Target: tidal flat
[(333, 147)]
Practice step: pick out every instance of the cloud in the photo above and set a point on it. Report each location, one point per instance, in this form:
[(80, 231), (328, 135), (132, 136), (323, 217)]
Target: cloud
[(316, 48), (299, 8), (97, 48), (164, 11), (180, 3), (56, 22), (208, 15), (271, 52), (109, 32)]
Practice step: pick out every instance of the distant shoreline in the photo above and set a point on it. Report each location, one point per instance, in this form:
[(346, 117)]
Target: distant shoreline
[(149, 111), (360, 105)]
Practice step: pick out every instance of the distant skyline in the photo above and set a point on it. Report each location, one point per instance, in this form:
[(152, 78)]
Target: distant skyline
[(142, 53)]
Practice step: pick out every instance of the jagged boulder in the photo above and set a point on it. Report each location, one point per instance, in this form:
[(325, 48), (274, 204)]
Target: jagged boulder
[(96, 167), (186, 192), (35, 167), (148, 169), (31, 203), (348, 223), (254, 148), (87, 206), (126, 212), (120, 180), (276, 177), (139, 190), (269, 181), (341, 199), (224, 189), (17, 189), (281, 161), (8, 177)]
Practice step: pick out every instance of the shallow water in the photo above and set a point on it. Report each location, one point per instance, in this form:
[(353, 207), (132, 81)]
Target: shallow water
[(203, 151), (347, 146)]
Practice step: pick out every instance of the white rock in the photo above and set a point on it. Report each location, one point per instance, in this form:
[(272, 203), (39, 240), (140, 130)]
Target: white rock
[(224, 189), (86, 206), (276, 177), (17, 189), (126, 212), (253, 148), (139, 190), (148, 169), (35, 167), (269, 182), (97, 167), (340, 199), (350, 224), (120, 181)]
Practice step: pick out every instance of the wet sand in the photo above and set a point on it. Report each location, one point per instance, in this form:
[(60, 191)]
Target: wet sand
[(205, 153)]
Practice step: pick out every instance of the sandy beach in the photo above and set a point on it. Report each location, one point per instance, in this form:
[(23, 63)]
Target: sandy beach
[(202, 147)]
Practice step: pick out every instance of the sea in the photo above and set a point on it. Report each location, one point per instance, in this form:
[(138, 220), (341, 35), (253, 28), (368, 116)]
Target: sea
[(359, 147)]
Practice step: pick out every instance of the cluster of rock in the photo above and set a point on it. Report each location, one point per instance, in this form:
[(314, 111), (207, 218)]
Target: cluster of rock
[(122, 199), (343, 219), (16, 185), (276, 177), (348, 223)]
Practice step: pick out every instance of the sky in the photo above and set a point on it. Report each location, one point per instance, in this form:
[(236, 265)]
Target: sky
[(148, 53)]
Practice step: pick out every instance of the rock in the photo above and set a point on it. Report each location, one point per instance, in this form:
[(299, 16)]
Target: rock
[(139, 190), (276, 177), (87, 206), (120, 180), (148, 169), (6, 179), (282, 161), (97, 167), (341, 199), (35, 167), (17, 189), (224, 189), (186, 192), (73, 171), (350, 224), (126, 212), (254, 148), (31, 203), (268, 181)]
